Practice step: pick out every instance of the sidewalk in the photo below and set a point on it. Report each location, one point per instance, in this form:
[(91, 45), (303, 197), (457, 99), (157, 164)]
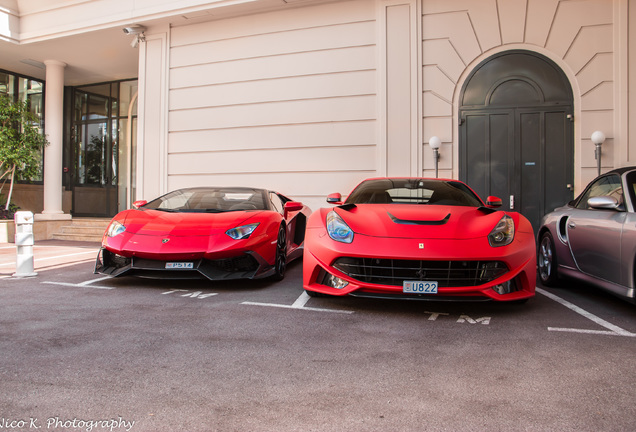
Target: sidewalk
[(49, 254)]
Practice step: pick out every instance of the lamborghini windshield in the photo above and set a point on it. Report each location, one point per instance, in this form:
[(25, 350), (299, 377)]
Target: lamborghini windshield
[(211, 200), (414, 191)]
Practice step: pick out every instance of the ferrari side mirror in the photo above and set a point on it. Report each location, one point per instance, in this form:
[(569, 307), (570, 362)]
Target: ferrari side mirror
[(493, 202), (139, 203), (334, 198)]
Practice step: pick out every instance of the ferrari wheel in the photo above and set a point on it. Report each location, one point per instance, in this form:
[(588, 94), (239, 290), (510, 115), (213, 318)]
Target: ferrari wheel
[(281, 254), (547, 260)]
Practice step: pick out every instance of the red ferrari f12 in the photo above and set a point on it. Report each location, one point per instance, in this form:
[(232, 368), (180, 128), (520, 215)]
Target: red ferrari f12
[(419, 238)]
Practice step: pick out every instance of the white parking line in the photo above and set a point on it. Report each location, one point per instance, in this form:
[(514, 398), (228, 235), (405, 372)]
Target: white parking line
[(38, 260), (299, 304), (612, 329), (85, 284)]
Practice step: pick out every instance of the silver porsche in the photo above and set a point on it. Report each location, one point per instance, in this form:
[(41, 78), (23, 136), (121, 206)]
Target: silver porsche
[(593, 238)]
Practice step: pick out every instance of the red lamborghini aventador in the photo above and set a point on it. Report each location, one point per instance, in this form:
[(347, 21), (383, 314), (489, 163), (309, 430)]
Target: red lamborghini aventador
[(419, 238), (214, 233)]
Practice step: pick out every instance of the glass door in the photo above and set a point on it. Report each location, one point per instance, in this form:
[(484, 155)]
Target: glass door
[(99, 163), (93, 187)]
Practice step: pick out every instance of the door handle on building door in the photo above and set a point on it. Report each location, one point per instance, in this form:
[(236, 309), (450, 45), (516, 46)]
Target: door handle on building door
[(512, 202)]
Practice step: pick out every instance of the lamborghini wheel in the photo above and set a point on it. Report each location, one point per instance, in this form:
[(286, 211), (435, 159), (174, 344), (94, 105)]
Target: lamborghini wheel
[(281, 254)]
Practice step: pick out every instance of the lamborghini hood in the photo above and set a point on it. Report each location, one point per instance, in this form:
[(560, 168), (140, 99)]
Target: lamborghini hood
[(419, 221), (161, 223)]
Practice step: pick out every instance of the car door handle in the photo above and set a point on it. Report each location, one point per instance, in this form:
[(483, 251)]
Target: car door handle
[(572, 225)]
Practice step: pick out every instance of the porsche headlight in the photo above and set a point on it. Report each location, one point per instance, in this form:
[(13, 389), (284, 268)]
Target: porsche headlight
[(115, 228), (337, 228), (503, 233), (242, 232)]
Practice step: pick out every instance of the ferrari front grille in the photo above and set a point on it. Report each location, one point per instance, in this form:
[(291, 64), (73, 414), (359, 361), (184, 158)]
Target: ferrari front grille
[(396, 271)]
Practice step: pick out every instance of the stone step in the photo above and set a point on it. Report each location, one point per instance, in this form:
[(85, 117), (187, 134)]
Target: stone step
[(83, 229)]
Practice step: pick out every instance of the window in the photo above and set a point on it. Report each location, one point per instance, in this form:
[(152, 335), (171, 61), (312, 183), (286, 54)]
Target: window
[(605, 186), (276, 202), (25, 89)]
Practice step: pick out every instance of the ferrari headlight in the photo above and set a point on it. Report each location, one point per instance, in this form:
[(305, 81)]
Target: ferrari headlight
[(337, 228), (503, 233), (115, 228), (242, 232)]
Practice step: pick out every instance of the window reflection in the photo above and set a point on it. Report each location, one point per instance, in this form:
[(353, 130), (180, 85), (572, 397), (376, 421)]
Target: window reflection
[(25, 89), (103, 144)]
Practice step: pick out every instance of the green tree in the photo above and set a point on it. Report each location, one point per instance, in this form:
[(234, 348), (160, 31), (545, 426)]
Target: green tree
[(21, 143)]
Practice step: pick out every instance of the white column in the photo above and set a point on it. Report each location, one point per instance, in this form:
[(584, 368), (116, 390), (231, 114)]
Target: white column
[(400, 93), (54, 124)]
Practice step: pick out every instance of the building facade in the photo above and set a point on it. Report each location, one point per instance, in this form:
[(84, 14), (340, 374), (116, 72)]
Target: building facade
[(309, 97)]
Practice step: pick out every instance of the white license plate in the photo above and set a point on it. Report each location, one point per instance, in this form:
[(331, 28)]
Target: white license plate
[(420, 287), (179, 265)]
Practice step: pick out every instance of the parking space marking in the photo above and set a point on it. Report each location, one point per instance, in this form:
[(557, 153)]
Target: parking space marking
[(85, 284), (38, 260), (299, 304), (197, 294), (612, 330)]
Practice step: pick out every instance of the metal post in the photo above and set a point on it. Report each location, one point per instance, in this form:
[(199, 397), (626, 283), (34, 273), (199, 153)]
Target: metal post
[(435, 143), (598, 138), (24, 244), (436, 156)]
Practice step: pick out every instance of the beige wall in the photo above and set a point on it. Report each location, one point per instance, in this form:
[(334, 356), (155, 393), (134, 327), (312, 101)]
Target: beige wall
[(313, 96), (628, 74), (310, 100), (579, 36), (285, 100)]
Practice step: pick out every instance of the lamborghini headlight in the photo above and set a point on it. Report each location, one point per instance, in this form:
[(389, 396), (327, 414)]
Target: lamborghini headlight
[(503, 234), (242, 232), (115, 228), (337, 228)]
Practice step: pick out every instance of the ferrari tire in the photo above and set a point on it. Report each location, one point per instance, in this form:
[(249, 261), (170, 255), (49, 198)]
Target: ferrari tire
[(547, 260), (280, 263)]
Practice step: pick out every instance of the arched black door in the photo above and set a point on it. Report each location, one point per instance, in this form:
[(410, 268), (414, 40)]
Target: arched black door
[(516, 141)]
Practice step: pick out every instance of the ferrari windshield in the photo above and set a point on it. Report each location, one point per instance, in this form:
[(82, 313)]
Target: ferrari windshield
[(210, 200), (414, 191)]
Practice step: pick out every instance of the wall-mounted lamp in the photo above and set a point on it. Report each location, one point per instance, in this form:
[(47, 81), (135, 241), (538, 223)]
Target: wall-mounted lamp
[(435, 144), (138, 32), (598, 138)]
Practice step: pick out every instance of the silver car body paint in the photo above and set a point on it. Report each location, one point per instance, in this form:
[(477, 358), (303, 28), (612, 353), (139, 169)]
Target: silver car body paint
[(597, 245)]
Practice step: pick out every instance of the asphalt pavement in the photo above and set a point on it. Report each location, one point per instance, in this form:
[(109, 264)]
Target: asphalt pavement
[(80, 352)]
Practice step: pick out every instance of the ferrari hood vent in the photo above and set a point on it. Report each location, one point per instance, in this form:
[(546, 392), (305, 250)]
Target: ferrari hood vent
[(419, 222)]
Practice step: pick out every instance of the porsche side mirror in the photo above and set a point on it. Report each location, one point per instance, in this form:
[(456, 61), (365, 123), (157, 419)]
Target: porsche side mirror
[(493, 202), (292, 206), (603, 203), (139, 203), (334, 198)]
